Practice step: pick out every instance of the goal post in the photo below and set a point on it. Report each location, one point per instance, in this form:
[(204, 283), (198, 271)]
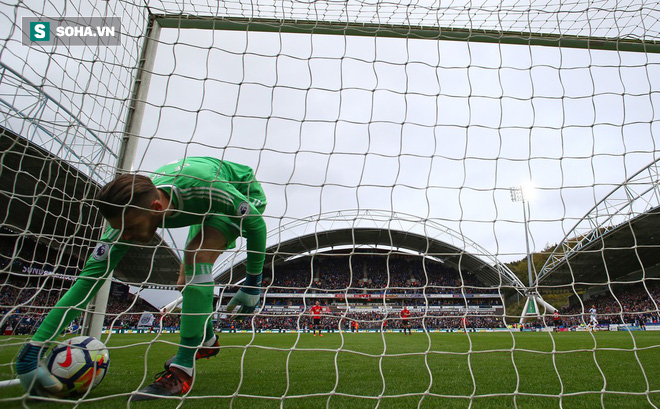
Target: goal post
[(94, 318), (178, 21)]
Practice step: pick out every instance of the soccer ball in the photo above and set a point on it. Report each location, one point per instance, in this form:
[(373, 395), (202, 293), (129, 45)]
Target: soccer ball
[(80, 363)]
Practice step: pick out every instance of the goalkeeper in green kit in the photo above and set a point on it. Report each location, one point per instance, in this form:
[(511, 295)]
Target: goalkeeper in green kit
[(219, 200)]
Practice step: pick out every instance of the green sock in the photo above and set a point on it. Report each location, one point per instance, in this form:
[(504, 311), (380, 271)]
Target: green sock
[(209, 334), (196, 310), (68, 307)]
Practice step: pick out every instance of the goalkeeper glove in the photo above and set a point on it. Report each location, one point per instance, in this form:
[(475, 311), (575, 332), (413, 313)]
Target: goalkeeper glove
[(248, 302), (248, 296), (33, 376)]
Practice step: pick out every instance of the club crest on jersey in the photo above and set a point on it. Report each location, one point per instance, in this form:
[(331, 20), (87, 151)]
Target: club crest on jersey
[(243, 209), (101, 251)]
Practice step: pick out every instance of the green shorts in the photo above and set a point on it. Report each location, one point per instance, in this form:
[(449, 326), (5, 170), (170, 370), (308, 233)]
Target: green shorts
[(229, 226)]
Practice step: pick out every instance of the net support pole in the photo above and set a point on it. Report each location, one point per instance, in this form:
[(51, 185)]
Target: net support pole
[(543, 303), (93, 324), (532, 307)]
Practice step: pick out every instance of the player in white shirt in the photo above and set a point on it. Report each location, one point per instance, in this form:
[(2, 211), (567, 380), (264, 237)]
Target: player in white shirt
[(593, 322)]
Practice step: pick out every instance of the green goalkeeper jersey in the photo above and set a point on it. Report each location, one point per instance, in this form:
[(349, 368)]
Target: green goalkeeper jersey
[(202, 191)]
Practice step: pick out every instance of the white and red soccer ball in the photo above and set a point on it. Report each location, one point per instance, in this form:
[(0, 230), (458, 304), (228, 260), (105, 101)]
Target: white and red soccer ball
[(80, 363)]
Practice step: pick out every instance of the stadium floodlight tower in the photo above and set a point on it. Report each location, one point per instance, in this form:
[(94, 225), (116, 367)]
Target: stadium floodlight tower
[(524, 194)]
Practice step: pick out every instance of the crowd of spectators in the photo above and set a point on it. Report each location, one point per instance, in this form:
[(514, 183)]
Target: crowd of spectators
[(364, 274), (126, 312), (25, 301), (411, 302), (636, 303), (25, 298), (366, 320), (371, 273)]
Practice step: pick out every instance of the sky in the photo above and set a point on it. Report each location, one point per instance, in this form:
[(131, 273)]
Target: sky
[(437, 130)]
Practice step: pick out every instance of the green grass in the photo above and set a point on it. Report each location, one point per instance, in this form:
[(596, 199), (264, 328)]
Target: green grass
[(439, 370)]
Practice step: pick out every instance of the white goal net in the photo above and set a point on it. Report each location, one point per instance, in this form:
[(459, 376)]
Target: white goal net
[(390, 139)]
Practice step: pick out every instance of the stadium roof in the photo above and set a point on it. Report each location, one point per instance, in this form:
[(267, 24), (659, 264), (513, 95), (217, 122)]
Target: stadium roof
[(49, 199), (616, 240), (356, 237), (622, 253)]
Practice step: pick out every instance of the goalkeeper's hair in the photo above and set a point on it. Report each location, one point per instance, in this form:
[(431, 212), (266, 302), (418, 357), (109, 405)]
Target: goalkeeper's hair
[(127, 190)]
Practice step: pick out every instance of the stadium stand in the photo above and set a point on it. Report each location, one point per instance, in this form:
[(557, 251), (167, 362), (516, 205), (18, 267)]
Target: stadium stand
[(356, 288), (31, 285), (635, 304)]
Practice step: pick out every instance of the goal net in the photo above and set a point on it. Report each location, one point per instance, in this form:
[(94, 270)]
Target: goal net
[(489, 168)]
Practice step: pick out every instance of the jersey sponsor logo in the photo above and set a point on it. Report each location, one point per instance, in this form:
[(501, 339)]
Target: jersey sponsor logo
[(243, 209), (101, 251)]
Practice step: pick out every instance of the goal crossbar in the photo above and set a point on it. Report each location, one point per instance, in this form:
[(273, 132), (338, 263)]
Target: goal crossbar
[(407, 31)]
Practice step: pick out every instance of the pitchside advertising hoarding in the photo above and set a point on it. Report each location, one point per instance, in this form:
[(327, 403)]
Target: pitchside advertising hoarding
[(71, 31)]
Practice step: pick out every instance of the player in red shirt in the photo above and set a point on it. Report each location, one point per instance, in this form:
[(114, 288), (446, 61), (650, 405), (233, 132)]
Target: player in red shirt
[(355, 326), (556, 320), (405, 323), (316, 318), (464, 324)]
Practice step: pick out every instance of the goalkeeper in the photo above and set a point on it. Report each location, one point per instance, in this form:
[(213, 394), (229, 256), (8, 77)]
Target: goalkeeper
[(219, 200)]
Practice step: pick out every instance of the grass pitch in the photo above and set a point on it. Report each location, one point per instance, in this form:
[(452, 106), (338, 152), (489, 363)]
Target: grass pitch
[(391, 370)]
